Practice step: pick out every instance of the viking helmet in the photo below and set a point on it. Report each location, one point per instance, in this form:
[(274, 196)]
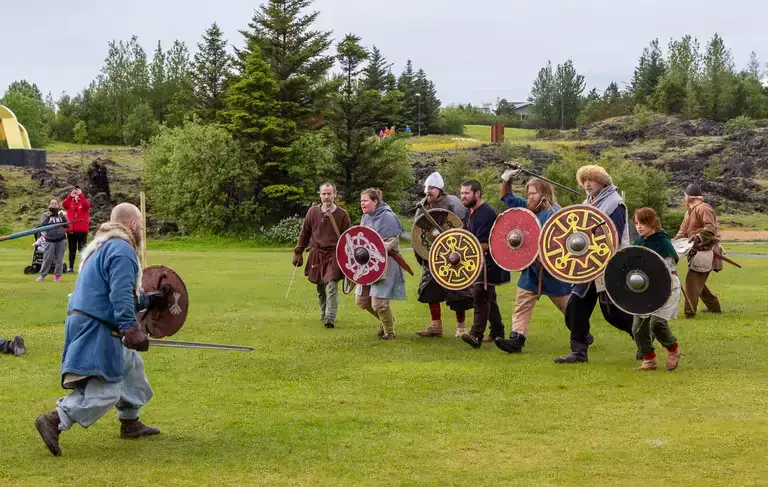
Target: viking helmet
[(434, 180)]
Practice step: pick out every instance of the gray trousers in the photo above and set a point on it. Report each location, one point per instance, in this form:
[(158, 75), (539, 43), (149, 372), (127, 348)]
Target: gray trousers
[(328, 297), (94, 397), (54, 252)]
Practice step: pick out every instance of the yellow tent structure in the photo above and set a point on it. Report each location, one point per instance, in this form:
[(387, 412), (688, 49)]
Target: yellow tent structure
[(12, 131)]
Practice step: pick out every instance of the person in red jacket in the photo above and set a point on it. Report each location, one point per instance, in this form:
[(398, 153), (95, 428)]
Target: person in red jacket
[(78, 208)]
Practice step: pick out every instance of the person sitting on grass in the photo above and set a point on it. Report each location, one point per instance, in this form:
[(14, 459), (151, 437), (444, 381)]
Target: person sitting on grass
[(645, 328)]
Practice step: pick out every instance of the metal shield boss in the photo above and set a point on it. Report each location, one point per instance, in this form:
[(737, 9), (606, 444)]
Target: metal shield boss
[(361, 255), (638, 281), (424, 231), (514, 239), (456, 259), (576, 244), (162, 323)]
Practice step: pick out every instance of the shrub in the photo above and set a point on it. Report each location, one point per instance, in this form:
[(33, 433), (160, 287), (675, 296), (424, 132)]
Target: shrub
[(641, 185), (643, 116), (671, 221), (140, 125), (453, 120), (739, 123), (285, 232)]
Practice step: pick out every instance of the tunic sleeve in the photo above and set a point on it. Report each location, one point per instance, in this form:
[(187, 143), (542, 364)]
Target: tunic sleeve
[(708, 221), (345, 222), (513, 201), (683, 232), (306, 232), (121, 272), (484, 224)]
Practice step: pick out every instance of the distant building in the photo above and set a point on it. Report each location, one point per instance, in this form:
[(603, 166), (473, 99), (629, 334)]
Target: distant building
[(523, 109)]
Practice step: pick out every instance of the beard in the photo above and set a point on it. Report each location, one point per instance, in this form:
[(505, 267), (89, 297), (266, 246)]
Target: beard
[(534, 206), (469, 203)]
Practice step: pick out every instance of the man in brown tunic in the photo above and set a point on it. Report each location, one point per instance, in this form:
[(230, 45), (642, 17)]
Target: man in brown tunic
[(700, 227), (322, 227)]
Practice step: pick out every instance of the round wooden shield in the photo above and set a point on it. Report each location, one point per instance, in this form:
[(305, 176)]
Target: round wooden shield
[(361, 255), (638, 281), (424, 232), (576, 244), (456, 259), (164, 323), (514, 240)]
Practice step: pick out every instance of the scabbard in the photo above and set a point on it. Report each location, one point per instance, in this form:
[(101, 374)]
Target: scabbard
[(400, 260)]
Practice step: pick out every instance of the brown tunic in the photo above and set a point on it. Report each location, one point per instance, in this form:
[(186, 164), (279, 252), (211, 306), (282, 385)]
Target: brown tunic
[(701, 219), (318, 232)]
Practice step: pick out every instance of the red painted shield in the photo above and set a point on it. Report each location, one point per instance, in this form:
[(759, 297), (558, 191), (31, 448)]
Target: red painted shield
[(361, 255), (514, 240)]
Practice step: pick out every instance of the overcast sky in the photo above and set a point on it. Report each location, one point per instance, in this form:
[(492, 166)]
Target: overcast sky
[(474, 51)]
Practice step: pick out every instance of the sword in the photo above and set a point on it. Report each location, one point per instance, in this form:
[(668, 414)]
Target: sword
[(291, 283), (207, 346), (725, 259), (514, 165)]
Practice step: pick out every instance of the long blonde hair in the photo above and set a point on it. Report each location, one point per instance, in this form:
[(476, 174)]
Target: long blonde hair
[(545, 189)]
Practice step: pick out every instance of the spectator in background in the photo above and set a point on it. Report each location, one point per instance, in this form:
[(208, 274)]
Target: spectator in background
[(408, 129), (55, 242), (78, 208)]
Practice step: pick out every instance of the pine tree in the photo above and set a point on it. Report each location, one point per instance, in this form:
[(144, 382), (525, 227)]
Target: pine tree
[(179, 83), (405, 84), (753, 68), (569, 87), (157, 83), (648, 73), (718, 79), (296, 55), (543, 96), (375, 73), (251, 115), (430, 104), (209, 73)]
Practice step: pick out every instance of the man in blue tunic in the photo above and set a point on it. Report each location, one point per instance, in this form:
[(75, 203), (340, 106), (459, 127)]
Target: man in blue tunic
[(534, 281), (101, 372), (479, 221)]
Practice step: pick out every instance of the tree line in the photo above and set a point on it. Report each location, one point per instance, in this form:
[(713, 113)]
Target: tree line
[(267, 122), (685, 81)]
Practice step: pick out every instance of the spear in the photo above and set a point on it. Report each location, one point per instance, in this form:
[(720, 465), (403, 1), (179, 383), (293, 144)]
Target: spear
[(32, 231)]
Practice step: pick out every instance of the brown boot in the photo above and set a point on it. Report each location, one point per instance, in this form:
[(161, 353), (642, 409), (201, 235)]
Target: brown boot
[(435, 329), (48, 427), (648, 365), (488, 339), (133, 428), (673, 359)]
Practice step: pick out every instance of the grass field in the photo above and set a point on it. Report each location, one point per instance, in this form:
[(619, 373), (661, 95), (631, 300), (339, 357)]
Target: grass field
[(312, 406), (483, 133)]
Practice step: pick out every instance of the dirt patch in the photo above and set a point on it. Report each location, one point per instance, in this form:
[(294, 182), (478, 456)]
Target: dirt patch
[(735, 235)]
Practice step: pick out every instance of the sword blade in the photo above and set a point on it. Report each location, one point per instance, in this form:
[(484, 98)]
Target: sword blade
[(526, 171), (207, 346)]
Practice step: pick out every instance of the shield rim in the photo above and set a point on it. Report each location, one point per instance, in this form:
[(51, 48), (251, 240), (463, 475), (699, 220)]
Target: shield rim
[(553, 272), (145, 313), (536, 245), (416, 249), (632, 247), (480, 267), (340, 249)]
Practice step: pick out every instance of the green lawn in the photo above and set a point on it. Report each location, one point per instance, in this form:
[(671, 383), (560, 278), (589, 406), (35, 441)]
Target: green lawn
[(59, 146), (483, 133), (312, 406)]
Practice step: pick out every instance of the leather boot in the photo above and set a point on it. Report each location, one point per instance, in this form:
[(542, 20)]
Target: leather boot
[(472, 340), (578, 354), (515, 343), (435, 329), (48, 427), (673, 359), (18, 347), (648, 364), (133, 428)]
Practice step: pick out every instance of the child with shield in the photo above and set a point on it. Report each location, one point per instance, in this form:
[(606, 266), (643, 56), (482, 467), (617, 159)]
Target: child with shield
[(645, 328)]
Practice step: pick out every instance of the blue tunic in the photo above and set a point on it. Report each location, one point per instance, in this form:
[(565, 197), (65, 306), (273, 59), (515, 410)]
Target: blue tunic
[(105, 289), (529, 278)]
